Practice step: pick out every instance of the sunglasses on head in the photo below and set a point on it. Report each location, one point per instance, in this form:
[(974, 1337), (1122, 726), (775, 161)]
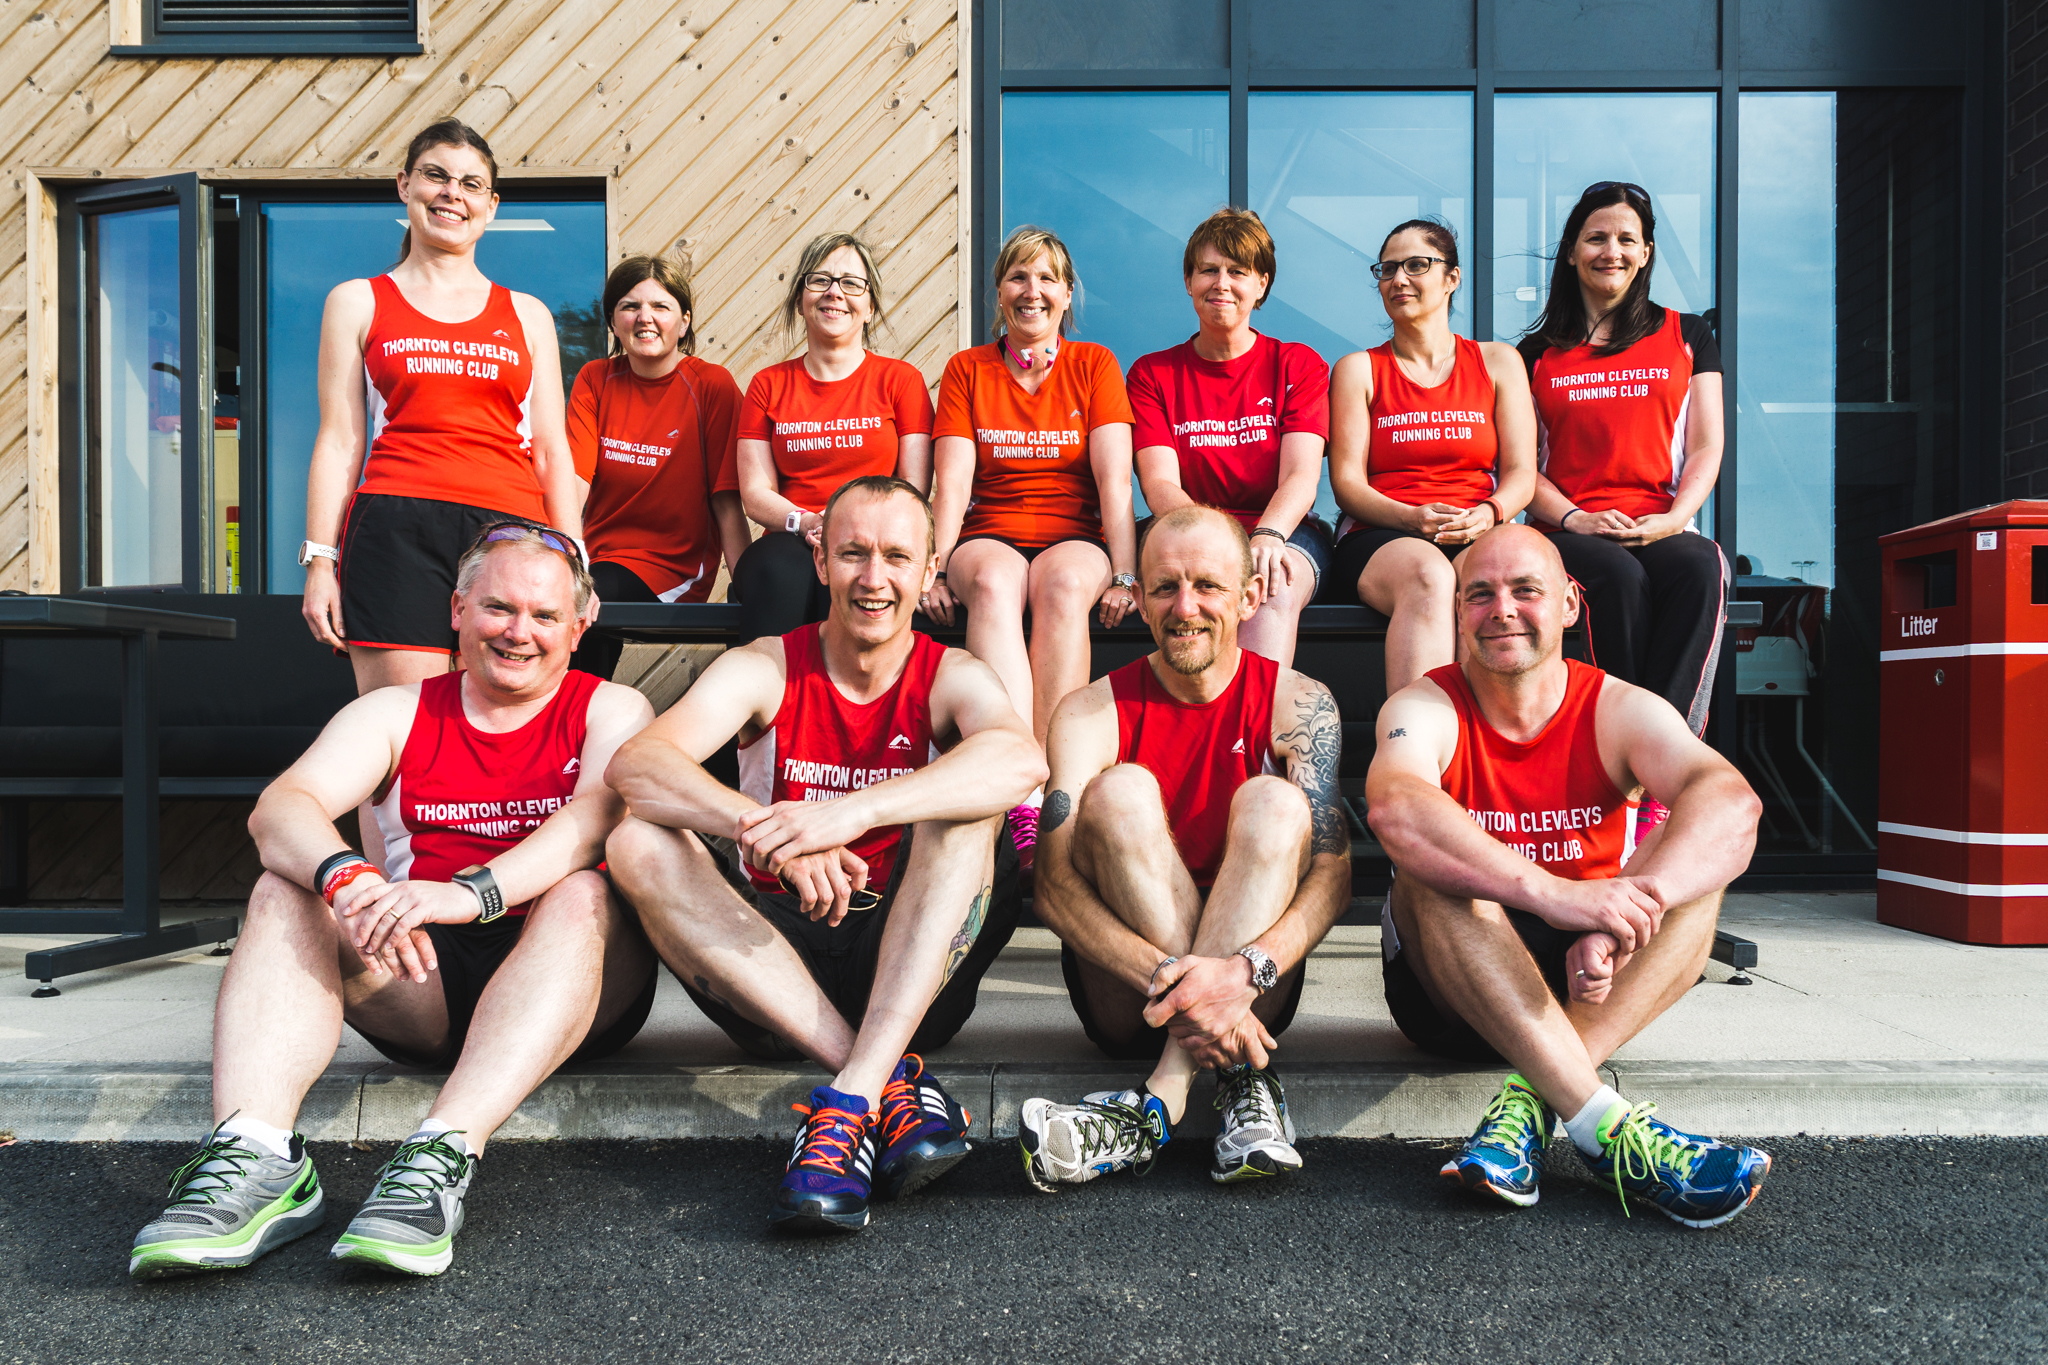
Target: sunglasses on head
[(1625, 186), (523, 530), (863, 899)]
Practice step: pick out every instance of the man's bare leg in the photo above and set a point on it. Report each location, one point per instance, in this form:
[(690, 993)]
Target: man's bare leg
[(717, 942), (950, 873), (580, 963)]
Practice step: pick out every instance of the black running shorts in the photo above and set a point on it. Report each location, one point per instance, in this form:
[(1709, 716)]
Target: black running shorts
[(842, 958), (1430, 1029), (397, 570)]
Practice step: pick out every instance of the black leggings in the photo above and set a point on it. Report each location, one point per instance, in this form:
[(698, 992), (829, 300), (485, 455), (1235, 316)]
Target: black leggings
[(776, 584), (1654, 612), (599, 653)]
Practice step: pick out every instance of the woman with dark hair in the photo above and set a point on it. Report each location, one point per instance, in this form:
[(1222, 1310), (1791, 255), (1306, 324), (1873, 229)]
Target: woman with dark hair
[(837, 412), (1432, 443), (1628, 396), (440, 414), (651, 427), (1236, 420)]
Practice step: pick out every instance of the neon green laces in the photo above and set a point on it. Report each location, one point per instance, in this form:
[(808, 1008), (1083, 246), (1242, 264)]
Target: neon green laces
[(417, 1167), (1514, 1110), (207, 1174), (1637, 1148)]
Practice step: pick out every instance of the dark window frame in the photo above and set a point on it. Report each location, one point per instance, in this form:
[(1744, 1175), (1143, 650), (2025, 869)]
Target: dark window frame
[(273, 38)]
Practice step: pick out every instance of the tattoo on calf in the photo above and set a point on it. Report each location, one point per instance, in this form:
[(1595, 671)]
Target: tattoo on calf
[(970, 930), (1058, 806), (704, 989), (1312, 749)]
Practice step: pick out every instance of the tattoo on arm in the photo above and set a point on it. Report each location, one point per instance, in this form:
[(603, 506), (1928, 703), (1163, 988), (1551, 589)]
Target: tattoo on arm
[(970, 930), (1058, 806), (1313, 746), (1397, 733)]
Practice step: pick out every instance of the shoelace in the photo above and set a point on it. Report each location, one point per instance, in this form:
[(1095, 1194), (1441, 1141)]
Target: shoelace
[(1248, 1096), (1512, 1109), (428, 1161), (1023, 825), (830, 1136), (191, 1183), (1637, 1149), (902, 1111), (1101, 1123)]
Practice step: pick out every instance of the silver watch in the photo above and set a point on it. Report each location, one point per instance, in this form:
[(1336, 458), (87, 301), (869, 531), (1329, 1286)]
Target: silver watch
[(1127, 581), (1265, 975)]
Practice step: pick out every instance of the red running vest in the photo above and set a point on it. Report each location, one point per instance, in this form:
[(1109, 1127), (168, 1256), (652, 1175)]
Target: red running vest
[(463, 795), (821, 745), (1550, 799), (1432, 445), (449, 405), (1200, 754), (1611, 429)]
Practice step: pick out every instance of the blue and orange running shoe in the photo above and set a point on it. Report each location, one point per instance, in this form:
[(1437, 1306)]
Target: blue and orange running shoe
[(1692, 1180), (825, 1187), (921, 1130), (1504, 1155)]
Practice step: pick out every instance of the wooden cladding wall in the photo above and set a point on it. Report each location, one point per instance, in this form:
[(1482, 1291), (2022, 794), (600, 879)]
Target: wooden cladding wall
[(730, 131)]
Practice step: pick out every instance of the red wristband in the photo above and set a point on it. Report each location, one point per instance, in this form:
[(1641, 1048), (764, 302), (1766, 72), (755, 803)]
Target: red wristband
[(1500, 515), (343, 875)]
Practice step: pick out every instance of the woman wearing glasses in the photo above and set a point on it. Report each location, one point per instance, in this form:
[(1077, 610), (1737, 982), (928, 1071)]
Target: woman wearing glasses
[(458, 425), (837, 412), (1237, 420), (651, 427), (1032, 490), (1432, 443), (1629, 398)]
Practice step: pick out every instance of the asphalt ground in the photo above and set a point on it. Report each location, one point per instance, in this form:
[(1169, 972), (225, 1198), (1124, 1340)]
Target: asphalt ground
[(1857, 1251)]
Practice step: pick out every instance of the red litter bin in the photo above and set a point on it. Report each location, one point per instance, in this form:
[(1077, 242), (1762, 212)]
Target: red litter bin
[(1962, 800)]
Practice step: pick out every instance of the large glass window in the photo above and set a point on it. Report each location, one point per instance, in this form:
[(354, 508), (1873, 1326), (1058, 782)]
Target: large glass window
[(554, 251), (1548, 148), (134, 460)]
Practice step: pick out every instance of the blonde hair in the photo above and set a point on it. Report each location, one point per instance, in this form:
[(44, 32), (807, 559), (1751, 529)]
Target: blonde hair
[(812, 260), (1027, 243)]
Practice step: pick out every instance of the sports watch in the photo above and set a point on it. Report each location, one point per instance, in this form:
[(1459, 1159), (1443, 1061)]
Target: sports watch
[(1265, 975), (1126, 581), (794, 521), (310, 550), (490, 900)]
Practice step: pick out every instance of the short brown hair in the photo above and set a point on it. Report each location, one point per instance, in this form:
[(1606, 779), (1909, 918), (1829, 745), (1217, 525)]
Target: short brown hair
[(885, 486), (1195, 514), (1027, 243), (634, 271), (1238, 235), (813, 259)]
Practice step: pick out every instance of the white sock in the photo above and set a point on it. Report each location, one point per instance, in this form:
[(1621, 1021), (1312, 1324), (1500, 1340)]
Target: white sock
[(276, 1141), (1584, 1126), (1037, 797), (436, 1128)]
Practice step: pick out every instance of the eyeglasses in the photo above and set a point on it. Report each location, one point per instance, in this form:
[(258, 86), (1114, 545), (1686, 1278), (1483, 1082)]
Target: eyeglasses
[(1413, 265), (527, 531), (818, 282), (471, 186), (1625, 186), (863, 899)]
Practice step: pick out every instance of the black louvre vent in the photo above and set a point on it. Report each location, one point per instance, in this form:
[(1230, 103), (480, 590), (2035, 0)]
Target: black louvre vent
[(284, 16)]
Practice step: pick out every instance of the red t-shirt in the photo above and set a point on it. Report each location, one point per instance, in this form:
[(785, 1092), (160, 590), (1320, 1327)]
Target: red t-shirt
[(1201, 754), (823, 434), (821, 745), (1550, 799), (649, 449), (1224, 418), (450, 405), (1033, 484), (1436, 444), (461, 795), (1611, 429)]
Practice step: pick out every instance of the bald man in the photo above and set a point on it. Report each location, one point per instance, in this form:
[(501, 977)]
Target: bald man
[(1525, 924), (1191, 853)]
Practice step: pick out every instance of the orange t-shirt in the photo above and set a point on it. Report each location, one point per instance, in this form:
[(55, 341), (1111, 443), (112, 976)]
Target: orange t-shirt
[(822, 434), (1033, 484), (649, 449)]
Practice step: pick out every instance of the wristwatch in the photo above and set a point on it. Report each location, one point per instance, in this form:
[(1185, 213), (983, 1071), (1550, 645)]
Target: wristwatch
[(794, 522), (310, 550), (1265, 975), (1126, 581), (482, 885)]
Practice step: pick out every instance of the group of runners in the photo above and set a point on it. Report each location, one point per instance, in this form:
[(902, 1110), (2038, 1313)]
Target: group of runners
[(535, 843)]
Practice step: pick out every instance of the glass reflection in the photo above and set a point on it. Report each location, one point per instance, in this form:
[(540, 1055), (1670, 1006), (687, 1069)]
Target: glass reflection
[(135, 454)]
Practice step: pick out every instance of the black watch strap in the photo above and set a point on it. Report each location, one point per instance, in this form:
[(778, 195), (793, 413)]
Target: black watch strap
[(490, 899)]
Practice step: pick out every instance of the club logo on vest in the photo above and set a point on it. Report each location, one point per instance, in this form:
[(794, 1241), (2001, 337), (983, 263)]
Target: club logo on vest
[(1265, 402), (1238, 747), (900, 742), (572, 765), (501, 332)]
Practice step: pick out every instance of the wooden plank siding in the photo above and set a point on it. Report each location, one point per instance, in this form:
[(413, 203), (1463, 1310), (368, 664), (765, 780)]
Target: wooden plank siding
[(730, 131)]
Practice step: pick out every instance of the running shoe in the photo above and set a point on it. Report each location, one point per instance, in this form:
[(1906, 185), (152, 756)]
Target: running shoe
[(1504, 1155), (1692, 1180), (1110, 1130), (409, 1222), (1258, 1136), (921, 1131), (230, 1203), (1024, 834), (826, 1185)]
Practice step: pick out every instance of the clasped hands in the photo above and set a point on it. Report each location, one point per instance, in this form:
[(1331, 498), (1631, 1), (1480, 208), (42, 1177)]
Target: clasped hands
[(805, 844), (1205, 1003), (386, 921), (1616, 917), (1448, 525)]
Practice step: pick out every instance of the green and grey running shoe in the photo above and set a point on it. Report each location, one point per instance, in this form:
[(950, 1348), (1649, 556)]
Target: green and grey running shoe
[(409, 1222), (230, 1203)]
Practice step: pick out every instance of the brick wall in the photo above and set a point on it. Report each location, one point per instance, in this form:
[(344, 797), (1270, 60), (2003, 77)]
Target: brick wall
[(2026, 250)]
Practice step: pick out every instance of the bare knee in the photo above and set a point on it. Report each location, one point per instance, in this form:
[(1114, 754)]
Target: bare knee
[(275, 900), (1062, 594), (637, 848), (1427, 585), (1119, 795), (1270, 809), (580, 901)]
